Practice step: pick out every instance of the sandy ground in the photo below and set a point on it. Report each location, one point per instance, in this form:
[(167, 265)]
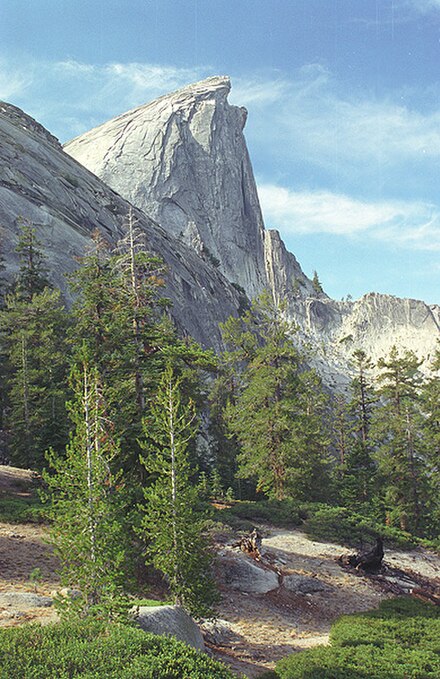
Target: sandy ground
[(266, 627)]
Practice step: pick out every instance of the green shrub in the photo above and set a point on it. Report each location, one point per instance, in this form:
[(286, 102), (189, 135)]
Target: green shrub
[(400, 640), (94, 650), (22, 510), (274, 512), (341, 525)]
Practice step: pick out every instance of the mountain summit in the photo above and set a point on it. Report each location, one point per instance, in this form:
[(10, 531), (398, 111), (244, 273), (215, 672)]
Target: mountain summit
[(183, 160)]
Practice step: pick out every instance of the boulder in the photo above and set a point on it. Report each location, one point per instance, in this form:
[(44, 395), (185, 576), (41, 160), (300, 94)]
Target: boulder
[(170, 621), (302, 584), (24, 600), (239, 572), (219, 632)]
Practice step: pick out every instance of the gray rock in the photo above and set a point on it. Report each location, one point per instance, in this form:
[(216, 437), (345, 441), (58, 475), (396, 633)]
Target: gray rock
[(171, 621), (219, 632), (24, 600), (240, 573), (302, 584)]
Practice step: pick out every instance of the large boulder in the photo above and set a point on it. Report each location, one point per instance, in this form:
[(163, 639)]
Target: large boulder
[(239, 572), (301, 584), (171, 621)]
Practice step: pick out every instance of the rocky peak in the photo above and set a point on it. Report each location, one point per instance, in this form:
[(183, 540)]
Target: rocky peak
[(183, 159)]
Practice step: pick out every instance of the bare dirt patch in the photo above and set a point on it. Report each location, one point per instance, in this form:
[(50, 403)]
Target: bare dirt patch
[(281, 622)]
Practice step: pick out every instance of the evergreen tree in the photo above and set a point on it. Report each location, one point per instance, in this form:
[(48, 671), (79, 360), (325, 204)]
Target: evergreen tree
[(36, 352), (86, 530), (32, 276), (276, 415), (317, 283), (397, 428), (358, 482), (430, 404), (34, 359), (172, 522)]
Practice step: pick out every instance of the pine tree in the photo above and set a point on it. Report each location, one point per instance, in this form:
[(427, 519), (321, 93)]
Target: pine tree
[(397, 428), (317, 283), (172, 522), (32, 276), (275, 415), (430, 404), (86, 530), (358, 482), (32, 330)]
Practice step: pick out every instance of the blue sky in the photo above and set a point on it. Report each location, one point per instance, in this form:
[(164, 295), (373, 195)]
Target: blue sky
[(343, 99)]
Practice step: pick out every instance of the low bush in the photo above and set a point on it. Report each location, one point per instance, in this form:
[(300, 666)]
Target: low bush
[(274, 512), (93, 650), (401, 640), (22, 510), (341, 525)]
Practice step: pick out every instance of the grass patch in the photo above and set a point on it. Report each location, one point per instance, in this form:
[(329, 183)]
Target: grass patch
[(400, 640), (93, 650), (27, 509)]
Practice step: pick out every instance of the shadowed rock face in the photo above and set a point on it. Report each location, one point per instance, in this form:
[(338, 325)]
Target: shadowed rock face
[(66, 203), (182, 160)]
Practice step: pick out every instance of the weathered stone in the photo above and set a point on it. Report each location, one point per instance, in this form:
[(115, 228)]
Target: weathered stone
[(171, 621), (24, 600), (239, 572), (219, 632), (301, 584)]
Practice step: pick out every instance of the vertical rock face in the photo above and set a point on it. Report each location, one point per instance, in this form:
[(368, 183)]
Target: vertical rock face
[(183, 160)]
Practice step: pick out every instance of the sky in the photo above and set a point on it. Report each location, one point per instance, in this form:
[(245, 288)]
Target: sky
[(343, 99)]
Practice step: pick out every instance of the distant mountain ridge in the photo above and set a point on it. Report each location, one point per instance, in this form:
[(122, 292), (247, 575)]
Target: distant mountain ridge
[(182, 161)]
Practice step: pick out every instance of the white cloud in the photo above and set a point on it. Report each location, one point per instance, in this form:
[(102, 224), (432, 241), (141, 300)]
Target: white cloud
[(69, 96), (413, 225)]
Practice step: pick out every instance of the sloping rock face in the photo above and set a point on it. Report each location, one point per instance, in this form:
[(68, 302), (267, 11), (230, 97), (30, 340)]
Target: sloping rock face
[(66, 203), (183, 160), (172, 621)]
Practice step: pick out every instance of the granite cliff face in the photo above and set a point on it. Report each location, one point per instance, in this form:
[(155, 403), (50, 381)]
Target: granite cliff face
[(182, 161), (66, 203)]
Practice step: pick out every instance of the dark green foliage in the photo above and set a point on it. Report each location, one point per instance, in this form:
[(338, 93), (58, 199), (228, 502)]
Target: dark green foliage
[(22, 510), (32, 277), (33, 336), (276, 410), (343, 526), (172, 521), (85, 510), (92, 650), (401, 640), (273, 512), (401, 453), (317, 283)]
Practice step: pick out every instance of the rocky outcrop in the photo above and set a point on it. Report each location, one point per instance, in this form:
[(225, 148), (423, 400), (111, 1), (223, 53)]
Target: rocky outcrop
[(183, 160), (172, 621), (66, 203), (239, 572)]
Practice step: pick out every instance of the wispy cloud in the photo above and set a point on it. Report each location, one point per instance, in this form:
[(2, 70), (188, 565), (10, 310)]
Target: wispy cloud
[(423, 6), (408, 224), (69, 96), (312, 118)]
